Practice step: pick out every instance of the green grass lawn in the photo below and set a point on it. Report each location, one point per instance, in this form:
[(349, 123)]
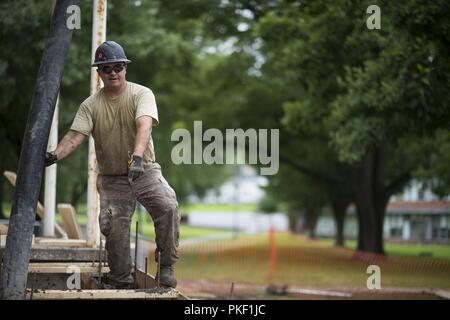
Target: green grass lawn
[(308, 263), (436, 251), (217, 208), (406, 250)]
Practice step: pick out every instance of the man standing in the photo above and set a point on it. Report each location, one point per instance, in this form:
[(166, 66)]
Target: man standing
[(120, 118)]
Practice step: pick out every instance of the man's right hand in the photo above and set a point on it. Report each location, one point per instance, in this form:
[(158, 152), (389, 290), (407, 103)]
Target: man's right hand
[(135, 168), (50, 158)]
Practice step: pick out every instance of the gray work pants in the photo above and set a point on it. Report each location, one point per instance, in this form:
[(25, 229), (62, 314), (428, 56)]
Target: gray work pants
[(117, 203)]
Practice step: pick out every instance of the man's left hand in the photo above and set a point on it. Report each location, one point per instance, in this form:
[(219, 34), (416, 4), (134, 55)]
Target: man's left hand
[(135, 168), (50, 158)]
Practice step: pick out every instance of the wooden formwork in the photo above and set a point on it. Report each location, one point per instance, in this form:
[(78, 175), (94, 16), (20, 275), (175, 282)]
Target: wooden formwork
[(139, 294), (64, 267), (53, 261), (54, 275)]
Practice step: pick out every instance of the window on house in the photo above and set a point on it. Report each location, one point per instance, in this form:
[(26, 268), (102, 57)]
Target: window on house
[(396, 232), (421, 195)]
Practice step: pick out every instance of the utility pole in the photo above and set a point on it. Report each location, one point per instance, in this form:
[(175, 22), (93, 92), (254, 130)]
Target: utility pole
[(31, 163)]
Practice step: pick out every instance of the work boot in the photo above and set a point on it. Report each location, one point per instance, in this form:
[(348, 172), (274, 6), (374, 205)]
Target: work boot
[(109, 283), (167, 277)]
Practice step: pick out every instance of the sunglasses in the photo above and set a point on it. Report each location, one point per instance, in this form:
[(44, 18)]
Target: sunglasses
[(108, 69)]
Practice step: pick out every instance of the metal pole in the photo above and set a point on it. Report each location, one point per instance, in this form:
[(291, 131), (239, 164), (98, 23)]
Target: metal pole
[(158, 280), (98, 37), (136, 253), (145, 278), (50, 180), (32, 286), (231, 291), (100, 262)]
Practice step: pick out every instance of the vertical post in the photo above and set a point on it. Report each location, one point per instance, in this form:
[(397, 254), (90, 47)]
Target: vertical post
[(158, 279), (272, 255), (145, 276), (98, 37), (100, 275), (50, 180), (136, 253)]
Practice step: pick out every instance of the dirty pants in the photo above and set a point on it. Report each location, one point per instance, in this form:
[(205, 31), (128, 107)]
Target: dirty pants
[(117, 203)]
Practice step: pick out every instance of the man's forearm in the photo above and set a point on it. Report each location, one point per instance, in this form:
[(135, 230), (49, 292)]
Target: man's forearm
[(69, 143), (143, 131)]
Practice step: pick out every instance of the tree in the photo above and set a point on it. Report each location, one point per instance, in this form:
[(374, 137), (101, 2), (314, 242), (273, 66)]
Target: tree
[(368, 91), (398, 92)]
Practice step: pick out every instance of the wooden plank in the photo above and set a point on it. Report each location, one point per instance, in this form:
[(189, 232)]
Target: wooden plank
[(325, 293), (3, 238), (3, 229), (64, 254), (42, 281), (11, 176), (62, 267), (101, 294), (441, 293), (70, 222), (141, 276), (64, 243)]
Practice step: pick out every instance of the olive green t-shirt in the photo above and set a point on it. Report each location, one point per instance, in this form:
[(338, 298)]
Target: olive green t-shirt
[(112, 123)]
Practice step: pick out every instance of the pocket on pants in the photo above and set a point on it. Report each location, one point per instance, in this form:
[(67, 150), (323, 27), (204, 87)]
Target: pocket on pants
[(105, 221), (167, 188)]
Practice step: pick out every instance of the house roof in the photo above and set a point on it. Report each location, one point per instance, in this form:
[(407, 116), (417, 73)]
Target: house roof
[(419, 207), (413, 207)]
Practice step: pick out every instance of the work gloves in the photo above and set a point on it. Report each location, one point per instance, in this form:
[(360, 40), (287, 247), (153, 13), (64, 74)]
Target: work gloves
[(50, 158), (135, 168)]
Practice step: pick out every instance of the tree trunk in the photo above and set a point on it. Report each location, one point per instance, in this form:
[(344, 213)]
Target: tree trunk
[(292, 222), (311, 215), (368, 232), (364, 193), (31, 163), (339, 211), (371, 198)]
